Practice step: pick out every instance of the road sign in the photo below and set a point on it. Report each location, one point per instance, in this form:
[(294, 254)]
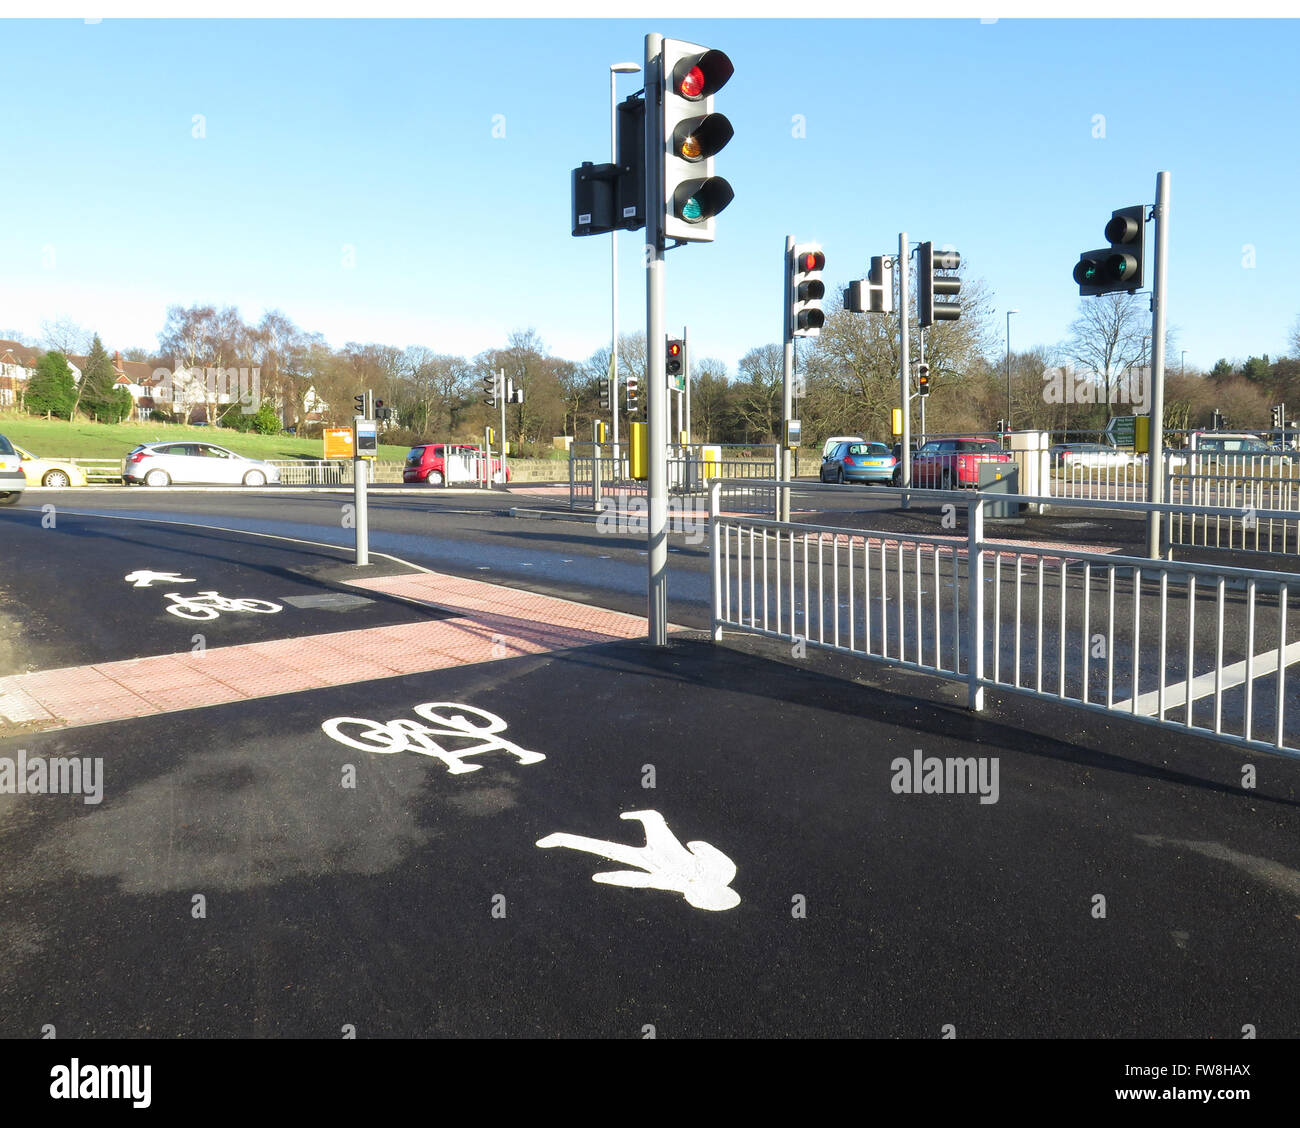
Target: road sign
[(1122, 430), (338, 442), (367, 445)]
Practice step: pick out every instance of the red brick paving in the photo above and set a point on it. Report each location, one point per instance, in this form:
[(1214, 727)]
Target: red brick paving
[(497, 622)]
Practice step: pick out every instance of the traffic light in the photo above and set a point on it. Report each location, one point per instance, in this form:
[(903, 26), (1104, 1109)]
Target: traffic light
[(693, 134), (673, 362), (933, 285), (605, 399), (360, 401), (1279, 414), (632, 383), (609, 197), (382, 412), (875, 293), (513, 394), (1217, 422), (1121, 265), (806, 290), (490, 390), (923, 380), (1001, 427), (629, 189)]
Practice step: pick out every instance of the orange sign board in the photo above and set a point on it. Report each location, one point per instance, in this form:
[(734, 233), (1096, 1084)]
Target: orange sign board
[(338, 442)]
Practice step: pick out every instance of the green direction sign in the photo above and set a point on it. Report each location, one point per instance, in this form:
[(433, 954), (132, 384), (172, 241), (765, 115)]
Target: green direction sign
[(1123, 430)]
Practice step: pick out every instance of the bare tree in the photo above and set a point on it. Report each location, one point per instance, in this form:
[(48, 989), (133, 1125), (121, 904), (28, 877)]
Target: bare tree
[(1108, 337), (758, 393), (65, 336), (280, 350), (710, 394)]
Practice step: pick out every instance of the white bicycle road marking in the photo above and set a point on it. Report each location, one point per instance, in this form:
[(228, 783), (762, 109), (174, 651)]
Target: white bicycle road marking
[(698, 871), (209, 605), (402, 735), (143, 578)]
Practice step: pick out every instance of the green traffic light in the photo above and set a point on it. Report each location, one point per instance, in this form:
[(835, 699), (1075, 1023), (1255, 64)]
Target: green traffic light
[(691, 210)]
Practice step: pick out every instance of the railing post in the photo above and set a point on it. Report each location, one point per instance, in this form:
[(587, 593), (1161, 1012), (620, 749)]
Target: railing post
[(571, 457), (715, 555), (975, 603)]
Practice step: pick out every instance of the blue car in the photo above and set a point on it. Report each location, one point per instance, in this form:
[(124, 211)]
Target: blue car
[(859, 462)]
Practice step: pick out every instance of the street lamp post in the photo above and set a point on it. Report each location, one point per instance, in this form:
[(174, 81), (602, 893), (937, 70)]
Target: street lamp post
[(1182, 367), (614, 70), (1006, 423)]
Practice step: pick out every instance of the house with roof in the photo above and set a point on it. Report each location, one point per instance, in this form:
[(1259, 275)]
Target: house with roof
[(18, 366)]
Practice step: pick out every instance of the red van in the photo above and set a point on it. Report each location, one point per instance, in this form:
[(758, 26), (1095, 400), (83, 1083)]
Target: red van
[(427, 464)]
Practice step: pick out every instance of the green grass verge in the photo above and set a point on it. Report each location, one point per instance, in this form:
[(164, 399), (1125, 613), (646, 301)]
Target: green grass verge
[(56, 438)]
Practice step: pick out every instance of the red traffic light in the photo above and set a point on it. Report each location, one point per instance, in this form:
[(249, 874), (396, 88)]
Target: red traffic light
[(703, 75), (674, 348), (811, 260)]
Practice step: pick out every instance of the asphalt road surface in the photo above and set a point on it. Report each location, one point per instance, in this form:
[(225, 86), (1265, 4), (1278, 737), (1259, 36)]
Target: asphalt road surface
[(771, 860)]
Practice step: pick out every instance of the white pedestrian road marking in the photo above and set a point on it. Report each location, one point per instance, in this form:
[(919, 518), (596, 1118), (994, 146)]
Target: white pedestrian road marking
[(144, 578), (697, 870), (402, 735)]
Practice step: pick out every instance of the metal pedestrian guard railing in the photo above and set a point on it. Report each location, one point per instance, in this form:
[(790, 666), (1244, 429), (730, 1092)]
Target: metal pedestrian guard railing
[(597, 480), (1247, 486), (1200, 648)]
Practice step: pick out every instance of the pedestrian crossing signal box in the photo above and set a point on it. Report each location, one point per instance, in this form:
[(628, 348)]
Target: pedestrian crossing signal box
[(640, 452), (367, 439), (1142, 434)]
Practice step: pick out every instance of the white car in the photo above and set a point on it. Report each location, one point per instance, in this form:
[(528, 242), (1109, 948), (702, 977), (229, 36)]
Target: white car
[(1068, 455), (12, 479), (161, 464)]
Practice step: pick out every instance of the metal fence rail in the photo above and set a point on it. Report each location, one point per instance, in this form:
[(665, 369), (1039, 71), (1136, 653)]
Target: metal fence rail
[(1200, 648), (334, 472), (99, 469), (1248, 484), (598, 480)]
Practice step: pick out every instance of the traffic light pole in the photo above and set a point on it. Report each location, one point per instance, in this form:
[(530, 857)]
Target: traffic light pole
[(686, 371), (920, 333), (903, 298), (787, 385), (656, 374), (1156, 429), (503, 433)]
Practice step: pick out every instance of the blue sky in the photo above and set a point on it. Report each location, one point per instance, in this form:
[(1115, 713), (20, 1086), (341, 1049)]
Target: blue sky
[(379, 137)]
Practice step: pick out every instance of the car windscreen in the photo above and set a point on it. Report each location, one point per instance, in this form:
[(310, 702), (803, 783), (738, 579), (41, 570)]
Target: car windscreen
[(975, 444)]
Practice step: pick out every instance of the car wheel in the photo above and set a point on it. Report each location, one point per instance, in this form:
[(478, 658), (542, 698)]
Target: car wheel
[(947, 480), (839, 476), (897, 479), (434, 478), (10, 498), (57, 480), (157, 478), (255, 478)]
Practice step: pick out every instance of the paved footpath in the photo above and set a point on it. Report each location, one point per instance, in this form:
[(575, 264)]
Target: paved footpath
[(488, 622)]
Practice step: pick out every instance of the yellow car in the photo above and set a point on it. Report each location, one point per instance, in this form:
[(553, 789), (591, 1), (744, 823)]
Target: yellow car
[(53, 472)]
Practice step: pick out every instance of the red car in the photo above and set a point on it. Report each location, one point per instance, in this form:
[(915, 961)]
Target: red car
[(436, 465), (951, 463)]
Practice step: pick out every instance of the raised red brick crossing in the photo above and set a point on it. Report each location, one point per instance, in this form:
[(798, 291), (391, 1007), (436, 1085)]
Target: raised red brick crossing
[(498, 622)]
